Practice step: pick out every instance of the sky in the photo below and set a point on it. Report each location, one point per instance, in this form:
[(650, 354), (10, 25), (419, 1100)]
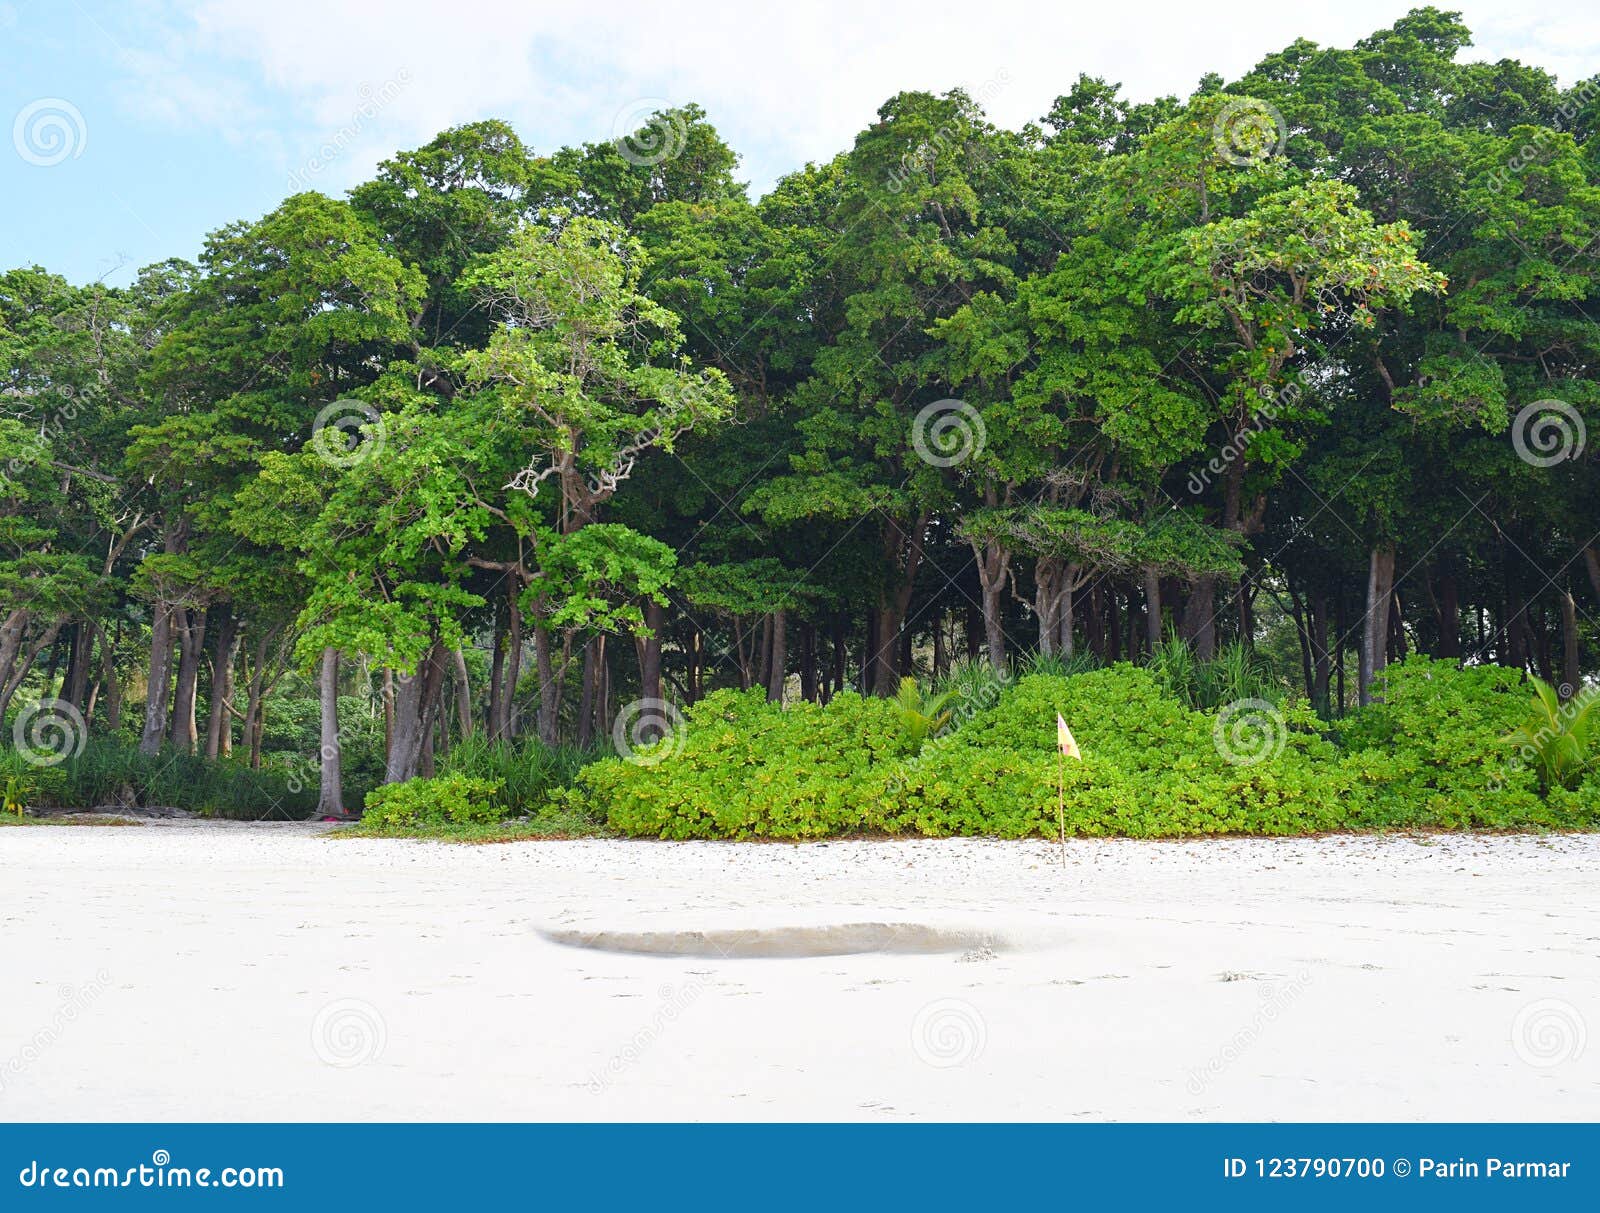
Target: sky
[(137, 127)]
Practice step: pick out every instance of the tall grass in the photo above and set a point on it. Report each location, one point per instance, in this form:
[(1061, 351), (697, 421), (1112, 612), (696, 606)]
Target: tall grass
[(113, 772), (527, 769), (1237, 672)]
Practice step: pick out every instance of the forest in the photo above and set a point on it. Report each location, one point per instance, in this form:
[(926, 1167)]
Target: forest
[(581, 488)]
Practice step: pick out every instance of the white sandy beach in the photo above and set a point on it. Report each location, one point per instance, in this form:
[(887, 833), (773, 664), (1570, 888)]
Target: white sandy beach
[(261, 972)]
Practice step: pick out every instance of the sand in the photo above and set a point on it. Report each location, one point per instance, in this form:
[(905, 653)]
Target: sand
[(262, 972)]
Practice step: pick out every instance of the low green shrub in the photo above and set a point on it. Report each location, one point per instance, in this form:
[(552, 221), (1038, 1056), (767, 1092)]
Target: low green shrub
[(445, 800), (743, 768), (1432, 755)]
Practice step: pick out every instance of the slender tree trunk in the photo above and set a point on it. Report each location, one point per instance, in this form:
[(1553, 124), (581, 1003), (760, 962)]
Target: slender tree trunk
[(77, 681), (496, 725), (158, 684), (549, 692), (1199, 625), (190, 626), (1449, 612), (841, 650), (586, 697), (1318, 636), (941, 650), (780, 657), (254, 706), (1152, 607), (225, 652), (511, 719), (1375, 623), (1571, 674), (405, 738), (113, 684), (330, 799), (994, 562), (463, 689), (808, 661), (655, 618)]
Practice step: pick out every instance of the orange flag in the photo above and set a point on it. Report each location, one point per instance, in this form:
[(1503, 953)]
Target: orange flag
[(1064, 741)]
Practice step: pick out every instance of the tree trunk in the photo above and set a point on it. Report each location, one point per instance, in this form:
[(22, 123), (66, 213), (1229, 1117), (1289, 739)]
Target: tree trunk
[(1199, 625), (219, 726), (779, 660), (1571, 675), (463, 690), (655, 618), (1375, 623), (77, 680), (1449, 616), (158, 684), (994, 562), (511, 724), (808, 661), (549, 693), (113, 684), (841, 650), (586, 698), (1152, 607), (1318, 637), (496, 724), (190, 625), (330, 799)]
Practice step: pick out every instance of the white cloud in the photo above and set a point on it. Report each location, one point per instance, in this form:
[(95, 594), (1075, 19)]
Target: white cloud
[(785, 83)]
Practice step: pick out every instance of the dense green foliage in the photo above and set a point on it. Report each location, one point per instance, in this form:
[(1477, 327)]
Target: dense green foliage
[(513, 456), (1431, 756)]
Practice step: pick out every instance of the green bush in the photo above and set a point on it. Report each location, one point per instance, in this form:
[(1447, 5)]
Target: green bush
[(446, 800), (743, 768), (1431, 756)]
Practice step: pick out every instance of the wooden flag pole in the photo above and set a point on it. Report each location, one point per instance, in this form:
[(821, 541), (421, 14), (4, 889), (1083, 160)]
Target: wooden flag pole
[(1065, 744), (1061, 802)]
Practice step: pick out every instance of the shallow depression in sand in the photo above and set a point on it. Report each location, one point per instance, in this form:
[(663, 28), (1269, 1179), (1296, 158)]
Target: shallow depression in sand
[(839, 939)]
